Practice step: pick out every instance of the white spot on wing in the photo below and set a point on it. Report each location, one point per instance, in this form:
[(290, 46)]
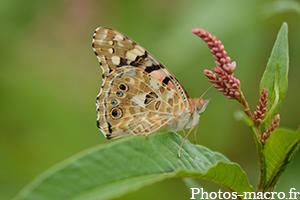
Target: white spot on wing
[(115, 60), (154, 84), (102, 33), (99, 41), (110, 42), (118, 37), (120, 44), (110, 50), (139, 99), (131, 55)]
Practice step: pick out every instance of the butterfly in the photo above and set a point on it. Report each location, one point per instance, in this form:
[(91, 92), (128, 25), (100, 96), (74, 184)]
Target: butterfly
[(139, 96)]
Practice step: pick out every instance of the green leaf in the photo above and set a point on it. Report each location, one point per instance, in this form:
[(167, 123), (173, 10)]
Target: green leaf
[(128, 164), (275, 77), (279, 150)]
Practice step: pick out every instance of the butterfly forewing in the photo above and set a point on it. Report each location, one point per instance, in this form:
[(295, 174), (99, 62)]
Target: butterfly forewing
[(115, 50)]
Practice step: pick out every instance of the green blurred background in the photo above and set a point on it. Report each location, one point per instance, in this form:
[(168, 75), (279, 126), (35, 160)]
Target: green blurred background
[(50, 77)]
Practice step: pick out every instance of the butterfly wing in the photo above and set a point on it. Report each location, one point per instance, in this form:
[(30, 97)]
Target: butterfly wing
[(138, 95), (133, 102)]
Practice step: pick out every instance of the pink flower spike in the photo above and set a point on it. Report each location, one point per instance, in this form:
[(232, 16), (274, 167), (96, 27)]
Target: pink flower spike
[(261, 109), (274, 125), (224, 80)]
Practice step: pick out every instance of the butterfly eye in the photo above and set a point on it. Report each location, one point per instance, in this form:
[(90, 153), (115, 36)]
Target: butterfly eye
[(116, 113), (114, 102), (119, 93), (123, 87)]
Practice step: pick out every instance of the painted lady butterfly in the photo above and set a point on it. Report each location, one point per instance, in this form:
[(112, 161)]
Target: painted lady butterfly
[(139, 96)]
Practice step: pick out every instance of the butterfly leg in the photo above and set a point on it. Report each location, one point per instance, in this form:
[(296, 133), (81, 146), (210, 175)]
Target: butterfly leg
[(195, 133), (183, 133), (148, 134), (185, 139)]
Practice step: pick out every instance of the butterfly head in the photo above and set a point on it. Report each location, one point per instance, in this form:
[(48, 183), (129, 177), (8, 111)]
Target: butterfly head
[(200, 104)]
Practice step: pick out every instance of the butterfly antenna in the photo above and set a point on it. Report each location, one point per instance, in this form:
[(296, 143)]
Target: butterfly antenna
[(207, 90)]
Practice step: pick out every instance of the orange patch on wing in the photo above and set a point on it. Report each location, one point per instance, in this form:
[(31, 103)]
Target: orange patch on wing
[(160, 76), (157, 74), (170, 85)]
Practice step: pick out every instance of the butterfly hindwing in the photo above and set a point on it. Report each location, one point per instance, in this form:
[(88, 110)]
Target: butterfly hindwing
[(133, 102)]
